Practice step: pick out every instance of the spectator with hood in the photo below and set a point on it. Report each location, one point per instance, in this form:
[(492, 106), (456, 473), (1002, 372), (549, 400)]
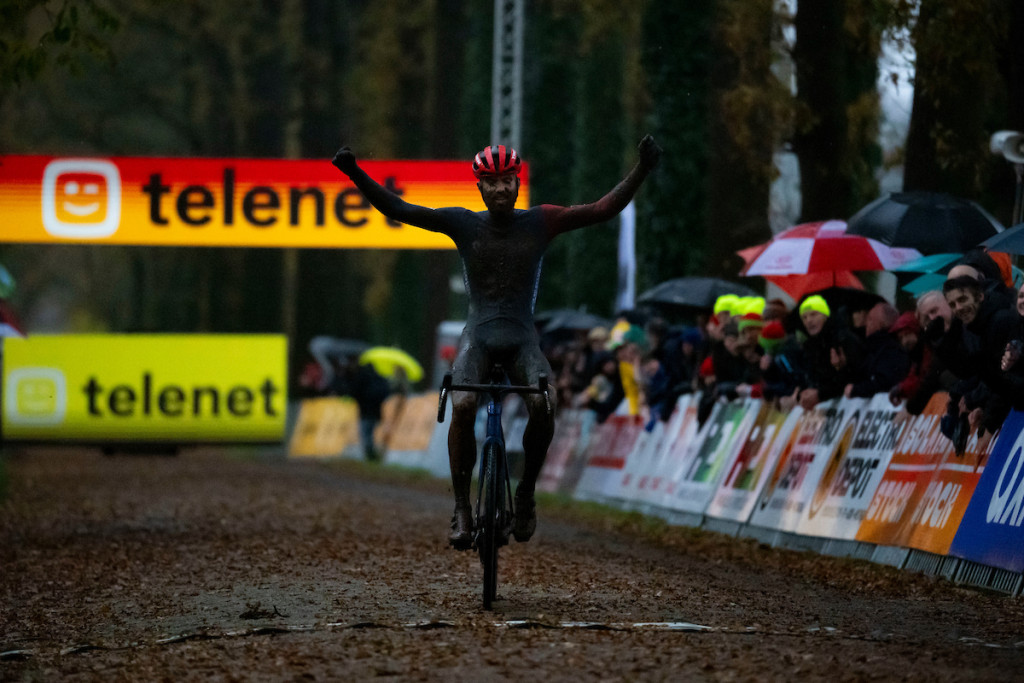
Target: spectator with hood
[(679, 357), (907, 330)]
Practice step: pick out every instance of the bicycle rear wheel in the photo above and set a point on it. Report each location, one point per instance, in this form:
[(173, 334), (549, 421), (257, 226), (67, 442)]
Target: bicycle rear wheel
[(491, 515)]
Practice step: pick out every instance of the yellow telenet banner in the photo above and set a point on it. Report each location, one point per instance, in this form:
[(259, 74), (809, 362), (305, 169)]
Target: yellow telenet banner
[(223, 202), (154, 388)]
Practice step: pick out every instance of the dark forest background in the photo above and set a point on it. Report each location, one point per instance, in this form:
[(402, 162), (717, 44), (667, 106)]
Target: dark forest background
[(723, 85)]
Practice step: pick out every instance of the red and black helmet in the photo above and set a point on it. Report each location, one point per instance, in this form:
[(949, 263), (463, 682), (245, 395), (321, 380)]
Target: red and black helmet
[(496, 160)]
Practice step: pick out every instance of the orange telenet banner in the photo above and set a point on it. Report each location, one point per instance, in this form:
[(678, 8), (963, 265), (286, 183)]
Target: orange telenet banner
[(222, 202)]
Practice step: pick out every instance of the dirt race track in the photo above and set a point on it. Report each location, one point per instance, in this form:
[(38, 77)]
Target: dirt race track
[(235, 565)]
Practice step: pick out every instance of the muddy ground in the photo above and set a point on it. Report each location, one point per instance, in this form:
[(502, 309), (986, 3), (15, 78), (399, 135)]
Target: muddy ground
[(241, 565)]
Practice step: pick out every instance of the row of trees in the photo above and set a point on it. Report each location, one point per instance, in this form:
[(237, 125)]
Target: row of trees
[(722, 84)]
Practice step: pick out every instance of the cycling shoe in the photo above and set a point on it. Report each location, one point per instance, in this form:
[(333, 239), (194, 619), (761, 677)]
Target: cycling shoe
[(526, 517), (461, 536)]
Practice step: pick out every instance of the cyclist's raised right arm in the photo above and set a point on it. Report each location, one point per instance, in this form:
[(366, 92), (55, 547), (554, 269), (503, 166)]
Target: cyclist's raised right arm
[(385, 201)]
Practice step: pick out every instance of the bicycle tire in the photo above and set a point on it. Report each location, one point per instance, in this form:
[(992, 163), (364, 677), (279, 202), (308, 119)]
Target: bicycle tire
[(492, 513)]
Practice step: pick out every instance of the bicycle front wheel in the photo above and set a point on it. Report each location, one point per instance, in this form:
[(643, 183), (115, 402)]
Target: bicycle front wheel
[(492, 513)]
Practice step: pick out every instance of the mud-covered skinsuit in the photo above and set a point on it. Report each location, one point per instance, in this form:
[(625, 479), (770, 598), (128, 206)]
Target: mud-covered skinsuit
[(501, 256)]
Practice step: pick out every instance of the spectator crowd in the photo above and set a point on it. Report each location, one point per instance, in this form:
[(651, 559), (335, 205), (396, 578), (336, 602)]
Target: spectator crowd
[(965, 339)]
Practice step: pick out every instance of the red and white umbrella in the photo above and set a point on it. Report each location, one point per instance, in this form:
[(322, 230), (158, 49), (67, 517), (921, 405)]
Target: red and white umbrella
[(799, 286), (819, 247)]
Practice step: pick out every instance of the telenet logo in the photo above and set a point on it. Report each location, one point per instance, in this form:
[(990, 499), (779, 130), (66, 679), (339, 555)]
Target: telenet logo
[(35, 396), (81, 198)]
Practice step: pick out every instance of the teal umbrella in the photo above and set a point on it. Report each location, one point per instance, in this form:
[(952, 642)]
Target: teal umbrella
[(934, 268), (929, 264), (1010, 241), (925, 283), (6, 283)]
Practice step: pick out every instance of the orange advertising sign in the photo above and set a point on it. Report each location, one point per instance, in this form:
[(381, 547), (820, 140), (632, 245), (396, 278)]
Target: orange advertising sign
[(940, 511), (919, 451), (161, 201)]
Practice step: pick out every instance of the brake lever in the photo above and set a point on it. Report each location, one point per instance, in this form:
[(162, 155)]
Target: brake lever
[(542, 384)]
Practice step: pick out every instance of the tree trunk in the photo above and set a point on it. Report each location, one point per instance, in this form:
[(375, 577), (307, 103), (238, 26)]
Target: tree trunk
[(743, 134), (947, 144), (822, 123)]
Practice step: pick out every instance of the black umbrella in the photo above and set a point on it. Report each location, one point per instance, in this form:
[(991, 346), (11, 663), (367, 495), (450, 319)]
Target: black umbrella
[(931, 222), (1010, 241), (570, 321), (693, 292)]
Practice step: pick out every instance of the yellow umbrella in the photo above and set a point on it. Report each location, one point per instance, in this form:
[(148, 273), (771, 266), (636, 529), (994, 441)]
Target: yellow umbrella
[(387, 360)]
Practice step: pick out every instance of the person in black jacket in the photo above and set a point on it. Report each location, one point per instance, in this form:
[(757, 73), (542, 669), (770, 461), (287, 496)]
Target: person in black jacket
[(986, 270), (1011, 363), (935, 318), (823, 380), (782, 365), (886, 363), (370, 390), (973, 349), (605, 392)]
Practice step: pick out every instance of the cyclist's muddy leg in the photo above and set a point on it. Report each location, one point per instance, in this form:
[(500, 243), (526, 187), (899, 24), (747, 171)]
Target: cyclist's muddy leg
[(462, 445), (540, 426), (467, 369)]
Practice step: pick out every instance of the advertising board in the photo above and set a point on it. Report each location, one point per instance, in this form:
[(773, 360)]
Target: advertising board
[(854, 469), (720, 442), (991, 531), (223, 202), (919, 451), (737, 494), (156, 388), (811, 447)]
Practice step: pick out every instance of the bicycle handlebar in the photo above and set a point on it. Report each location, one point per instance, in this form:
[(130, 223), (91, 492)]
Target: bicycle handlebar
[(496, 390)]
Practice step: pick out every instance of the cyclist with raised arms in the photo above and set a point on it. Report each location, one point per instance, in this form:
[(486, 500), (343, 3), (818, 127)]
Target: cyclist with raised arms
[(501, 251)]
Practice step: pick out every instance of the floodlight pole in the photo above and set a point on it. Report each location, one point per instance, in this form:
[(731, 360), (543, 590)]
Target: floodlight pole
[(507, 74)]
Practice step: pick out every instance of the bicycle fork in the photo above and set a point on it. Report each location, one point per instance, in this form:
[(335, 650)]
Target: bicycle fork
[(495, 435)]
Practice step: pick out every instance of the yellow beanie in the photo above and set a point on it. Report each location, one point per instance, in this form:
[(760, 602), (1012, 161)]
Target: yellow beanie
[(753, 304), (815, 303), (727, 303)]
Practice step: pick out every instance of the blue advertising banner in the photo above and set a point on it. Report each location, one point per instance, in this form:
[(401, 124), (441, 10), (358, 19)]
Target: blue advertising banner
[(991, 532)]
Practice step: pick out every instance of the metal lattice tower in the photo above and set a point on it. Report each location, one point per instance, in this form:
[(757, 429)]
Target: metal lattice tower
[(507, 77)]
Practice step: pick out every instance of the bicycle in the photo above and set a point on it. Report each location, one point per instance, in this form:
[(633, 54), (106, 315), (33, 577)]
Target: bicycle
[(495, 511)]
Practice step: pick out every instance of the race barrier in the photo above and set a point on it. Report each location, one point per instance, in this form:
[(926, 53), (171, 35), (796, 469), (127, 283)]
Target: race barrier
[(851, 478), (326, 427)]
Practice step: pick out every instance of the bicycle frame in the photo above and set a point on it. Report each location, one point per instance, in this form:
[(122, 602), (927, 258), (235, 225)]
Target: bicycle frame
[(495, 511), (495, 434)]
